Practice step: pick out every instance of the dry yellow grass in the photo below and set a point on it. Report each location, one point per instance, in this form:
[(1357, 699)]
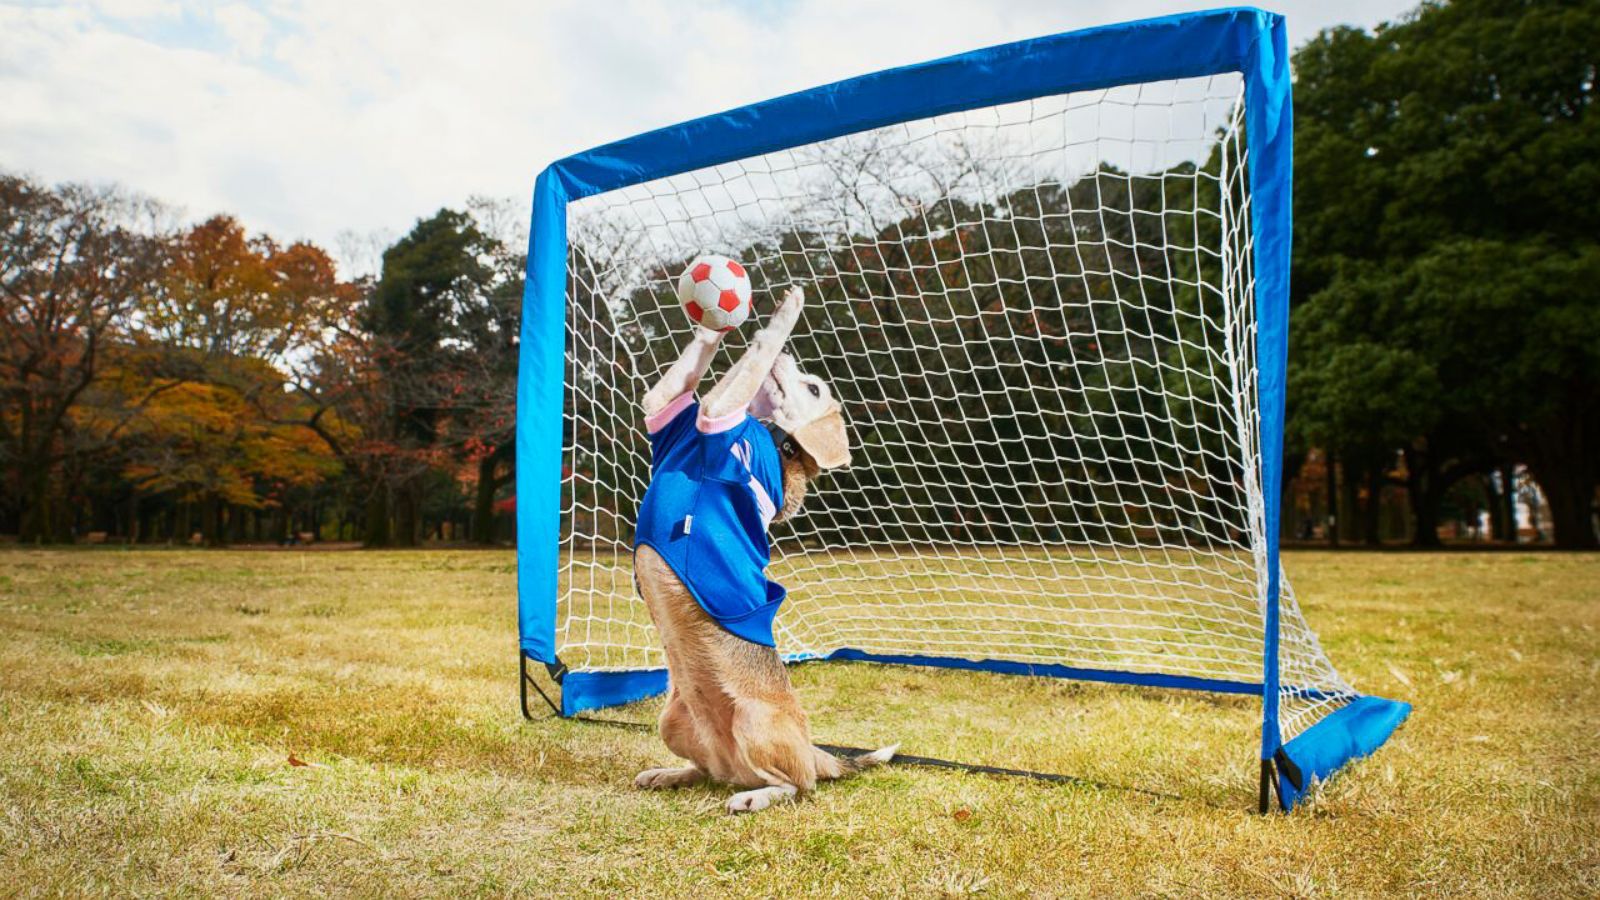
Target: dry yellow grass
[(151, 701)]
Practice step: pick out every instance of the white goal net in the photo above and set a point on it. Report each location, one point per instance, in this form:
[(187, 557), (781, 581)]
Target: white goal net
[(1039, 319)]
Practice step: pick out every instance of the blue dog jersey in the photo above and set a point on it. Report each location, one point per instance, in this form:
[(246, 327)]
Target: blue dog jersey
[(714, 488)]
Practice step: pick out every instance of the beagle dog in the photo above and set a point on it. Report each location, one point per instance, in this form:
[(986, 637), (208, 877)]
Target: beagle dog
[(722, 470)]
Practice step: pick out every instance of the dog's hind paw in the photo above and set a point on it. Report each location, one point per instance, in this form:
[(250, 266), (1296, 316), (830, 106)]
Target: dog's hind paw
[(660, 779), (760, 798)]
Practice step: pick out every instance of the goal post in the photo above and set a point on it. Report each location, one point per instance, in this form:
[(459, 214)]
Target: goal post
[(1049, 281)]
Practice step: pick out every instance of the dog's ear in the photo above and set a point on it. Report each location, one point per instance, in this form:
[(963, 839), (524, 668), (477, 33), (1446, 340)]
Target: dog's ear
[(826, 439)]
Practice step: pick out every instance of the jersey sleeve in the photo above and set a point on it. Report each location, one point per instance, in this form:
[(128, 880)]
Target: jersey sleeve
[(668, 413), (725, 425), (669, 427)]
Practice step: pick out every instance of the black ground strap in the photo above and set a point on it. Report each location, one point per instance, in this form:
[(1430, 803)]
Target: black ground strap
[(933, 762)]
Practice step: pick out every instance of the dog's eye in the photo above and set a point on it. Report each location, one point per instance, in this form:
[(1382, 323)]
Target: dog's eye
[(816, 391)]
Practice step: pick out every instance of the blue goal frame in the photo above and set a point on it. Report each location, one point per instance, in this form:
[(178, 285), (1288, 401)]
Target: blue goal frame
[(1244, 40)]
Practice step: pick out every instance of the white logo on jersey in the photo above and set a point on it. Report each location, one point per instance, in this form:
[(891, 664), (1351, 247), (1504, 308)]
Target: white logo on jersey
[(743, 453)]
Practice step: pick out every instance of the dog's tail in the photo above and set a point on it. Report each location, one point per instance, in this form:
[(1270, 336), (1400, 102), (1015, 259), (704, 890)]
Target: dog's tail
[(830, 766)]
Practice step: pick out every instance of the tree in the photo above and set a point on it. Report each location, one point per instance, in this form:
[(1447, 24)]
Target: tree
[(231, 296), (342, 400), (1446, 170), (212, 445), (443, 266), (1365, 400), (74, 261), (486, 403), (227, 311)]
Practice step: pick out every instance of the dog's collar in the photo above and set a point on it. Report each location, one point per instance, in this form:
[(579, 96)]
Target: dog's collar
[(788, 447)]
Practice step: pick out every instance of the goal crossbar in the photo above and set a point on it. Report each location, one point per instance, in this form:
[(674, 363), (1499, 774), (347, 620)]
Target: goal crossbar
[(1249, 42)]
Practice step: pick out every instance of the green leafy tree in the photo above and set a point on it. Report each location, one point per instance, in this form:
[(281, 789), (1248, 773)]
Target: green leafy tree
[(1366, 399), (1446, 172), (442, 267)]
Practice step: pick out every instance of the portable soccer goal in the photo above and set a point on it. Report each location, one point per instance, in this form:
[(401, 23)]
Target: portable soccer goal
[(1049, 281)]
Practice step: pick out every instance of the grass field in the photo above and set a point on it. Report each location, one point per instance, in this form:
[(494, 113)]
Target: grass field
[(188, 722)]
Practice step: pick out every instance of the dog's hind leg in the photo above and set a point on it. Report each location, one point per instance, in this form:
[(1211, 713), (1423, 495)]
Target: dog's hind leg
[(772, 744), (678, 733), (661, 779)]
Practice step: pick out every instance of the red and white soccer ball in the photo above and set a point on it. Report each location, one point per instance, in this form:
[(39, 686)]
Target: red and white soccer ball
[(715, 292)]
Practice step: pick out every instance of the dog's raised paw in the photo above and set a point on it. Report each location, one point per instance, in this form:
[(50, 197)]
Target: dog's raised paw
[(661, 779)]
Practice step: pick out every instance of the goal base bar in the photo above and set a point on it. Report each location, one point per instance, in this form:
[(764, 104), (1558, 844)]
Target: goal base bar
[(597, 689), (1053, 670), (1346, 734)]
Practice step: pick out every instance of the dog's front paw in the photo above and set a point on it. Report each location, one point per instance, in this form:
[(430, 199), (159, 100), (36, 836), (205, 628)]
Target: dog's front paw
[(794, 297), (758, 799), (787, 313), (661, 779)]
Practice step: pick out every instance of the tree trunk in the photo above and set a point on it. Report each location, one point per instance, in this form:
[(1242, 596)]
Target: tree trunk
[(37, 524), (1370, 515), (1333, 499), (1350, 502), (1497, 505), (376, 533), (1571, 499), (1508, 503), (1566, 464), (405, 516), (69, 513), (146, 520), (131, 516), (483, 505), (1422, 489), (211, 521), (1425, 515)]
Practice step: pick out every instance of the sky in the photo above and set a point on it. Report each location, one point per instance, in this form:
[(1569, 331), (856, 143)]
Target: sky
[(344, 121)]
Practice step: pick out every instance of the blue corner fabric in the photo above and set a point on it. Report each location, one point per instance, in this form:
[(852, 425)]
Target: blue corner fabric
[(597, 689), (1348, 733)]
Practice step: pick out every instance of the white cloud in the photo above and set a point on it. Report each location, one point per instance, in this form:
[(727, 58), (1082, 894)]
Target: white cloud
[(135, 9), (246, 29), (309, 118)]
